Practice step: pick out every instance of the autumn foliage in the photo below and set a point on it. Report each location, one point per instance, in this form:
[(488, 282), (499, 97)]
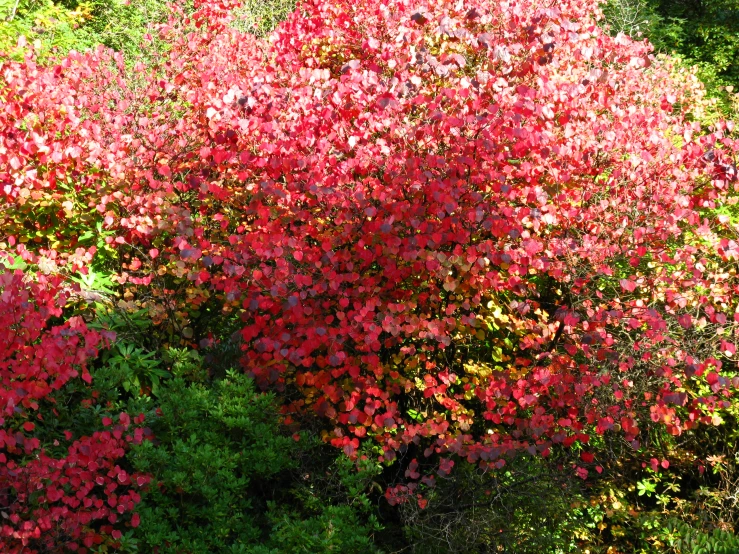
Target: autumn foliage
[(54, 503), (459, 230)]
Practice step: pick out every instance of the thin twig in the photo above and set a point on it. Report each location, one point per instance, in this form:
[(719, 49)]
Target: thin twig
[(13, 12)]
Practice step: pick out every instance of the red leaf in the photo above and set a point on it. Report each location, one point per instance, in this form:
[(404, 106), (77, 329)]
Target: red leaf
[(686, 321), (629, 286)]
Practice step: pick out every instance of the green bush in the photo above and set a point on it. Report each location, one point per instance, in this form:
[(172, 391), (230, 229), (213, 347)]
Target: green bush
[(118, 24), (684, 539), (56, 25), (704, 34), (226, 479)]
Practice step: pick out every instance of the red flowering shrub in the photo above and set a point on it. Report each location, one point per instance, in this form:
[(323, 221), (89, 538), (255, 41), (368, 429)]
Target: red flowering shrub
[(47, 503), (460, 230)]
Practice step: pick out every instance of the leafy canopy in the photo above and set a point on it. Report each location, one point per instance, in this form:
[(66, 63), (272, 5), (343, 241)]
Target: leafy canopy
[(457, 231)]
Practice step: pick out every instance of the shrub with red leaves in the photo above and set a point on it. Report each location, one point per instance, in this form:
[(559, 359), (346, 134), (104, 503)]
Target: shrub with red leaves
[(51, 504), (468, 229)]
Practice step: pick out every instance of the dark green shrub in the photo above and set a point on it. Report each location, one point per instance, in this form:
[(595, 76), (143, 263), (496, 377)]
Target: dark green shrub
[(684, 539), (703, 34), (226, 479)]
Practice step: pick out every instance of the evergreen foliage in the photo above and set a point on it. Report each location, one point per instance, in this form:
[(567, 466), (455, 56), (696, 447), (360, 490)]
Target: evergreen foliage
[(705, 34), (226, 479)]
